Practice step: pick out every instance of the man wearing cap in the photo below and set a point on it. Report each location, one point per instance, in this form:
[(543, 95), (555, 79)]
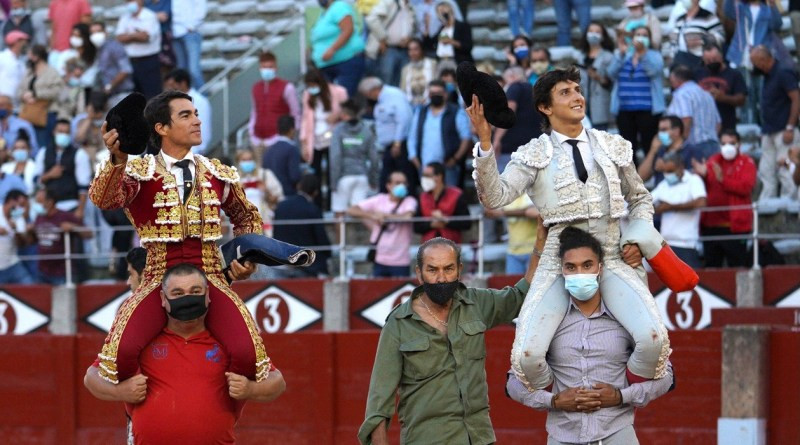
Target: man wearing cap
[(12, 64), (583, 178), (174, 200)]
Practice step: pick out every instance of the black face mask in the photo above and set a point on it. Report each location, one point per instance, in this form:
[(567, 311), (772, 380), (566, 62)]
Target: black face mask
[(187, 307), (437, 100), (714, 67), (446, 16), (372, 102), (758, 72), (353, 121), (440, 293)]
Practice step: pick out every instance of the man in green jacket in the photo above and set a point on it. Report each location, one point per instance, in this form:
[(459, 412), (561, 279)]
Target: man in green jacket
[(432, 351)]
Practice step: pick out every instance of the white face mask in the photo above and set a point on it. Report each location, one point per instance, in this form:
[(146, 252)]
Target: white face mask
[(728, 152), (75, 41), (427, 184), (98, 39)]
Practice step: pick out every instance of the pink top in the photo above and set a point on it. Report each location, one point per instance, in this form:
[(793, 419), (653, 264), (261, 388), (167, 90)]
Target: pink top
[(338, 95), (392, 249), (64, 14)]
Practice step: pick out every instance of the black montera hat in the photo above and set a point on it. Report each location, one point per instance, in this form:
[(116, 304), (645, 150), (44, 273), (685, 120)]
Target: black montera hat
[(495, 104), (127, 117)]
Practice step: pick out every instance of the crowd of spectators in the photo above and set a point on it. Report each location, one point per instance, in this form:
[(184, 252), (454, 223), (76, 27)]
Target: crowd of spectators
[(375, 128)]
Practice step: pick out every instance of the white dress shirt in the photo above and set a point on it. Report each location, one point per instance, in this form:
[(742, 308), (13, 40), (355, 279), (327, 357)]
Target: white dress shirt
[(147, 21), (583, 146), (12, 71), (177, 172), (187, 15)]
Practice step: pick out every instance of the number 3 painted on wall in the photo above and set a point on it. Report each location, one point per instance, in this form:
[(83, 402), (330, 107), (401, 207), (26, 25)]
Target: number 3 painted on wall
[(685, 317), (272, 322), (3, 321)]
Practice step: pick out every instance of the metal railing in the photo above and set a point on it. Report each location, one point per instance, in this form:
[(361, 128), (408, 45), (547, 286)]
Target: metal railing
[(221, 83), (345, 248)]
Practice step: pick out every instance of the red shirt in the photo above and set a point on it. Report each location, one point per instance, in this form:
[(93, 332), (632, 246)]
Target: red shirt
[(64, 14), (187, 393), (51, 240), (738, 180)]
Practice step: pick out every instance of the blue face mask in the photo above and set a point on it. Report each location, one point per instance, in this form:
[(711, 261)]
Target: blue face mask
[(247, 166), (582, 286), (132, 7), (671, 178), (400, 191), (20, 155), (37, 209), (74, 82), (663, 136), (17, 212), (267, 73), (521, 52), (450, 87), (313, 90), (62, 139), (3, 113)]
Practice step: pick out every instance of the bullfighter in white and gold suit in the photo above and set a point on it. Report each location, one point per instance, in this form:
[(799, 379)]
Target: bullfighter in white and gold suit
[(582, 178)]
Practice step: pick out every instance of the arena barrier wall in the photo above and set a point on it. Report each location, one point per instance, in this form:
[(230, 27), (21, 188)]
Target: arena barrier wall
[(327, 374)]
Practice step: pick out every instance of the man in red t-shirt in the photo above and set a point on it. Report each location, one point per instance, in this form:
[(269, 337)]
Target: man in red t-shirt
[(183, 393)]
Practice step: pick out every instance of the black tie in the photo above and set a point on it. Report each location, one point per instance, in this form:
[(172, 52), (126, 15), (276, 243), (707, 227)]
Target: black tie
[(576, 156), (187, 178)]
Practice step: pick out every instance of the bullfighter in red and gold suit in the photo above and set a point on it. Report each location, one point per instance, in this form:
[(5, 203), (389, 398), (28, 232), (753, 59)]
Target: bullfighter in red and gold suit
[(174, 200)]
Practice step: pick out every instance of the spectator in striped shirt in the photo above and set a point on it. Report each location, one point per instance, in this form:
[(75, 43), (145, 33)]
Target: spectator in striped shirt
[(590, 400), (637, 97), (691, 30), (697, 110)]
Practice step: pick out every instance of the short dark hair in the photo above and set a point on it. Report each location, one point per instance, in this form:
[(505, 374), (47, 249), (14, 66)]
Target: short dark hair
[(158, 111), (438, 241), (674, 121), (13, 195), (575, 238), (267, 56), (285, 124), (309, 184), (50, 194), (98, 22), (730, 132), (447, 72), (179, 75), (437, 83), (542, 49), (39, 51), (350, 107), (182, 270), (62, 121), (674, 157), (137, 258), (682, 72), (542, 90), (98, 100), (437, 167)]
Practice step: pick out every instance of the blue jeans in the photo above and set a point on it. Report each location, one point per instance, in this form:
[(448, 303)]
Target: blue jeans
[(452, 175), (380, 270), (346, 74), (564, 10), (517, 264), (16, 274), (527, 10), (187, 55), (391, 63)]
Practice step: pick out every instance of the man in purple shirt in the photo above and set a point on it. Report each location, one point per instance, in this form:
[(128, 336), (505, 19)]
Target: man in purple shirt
[(591, 399)]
